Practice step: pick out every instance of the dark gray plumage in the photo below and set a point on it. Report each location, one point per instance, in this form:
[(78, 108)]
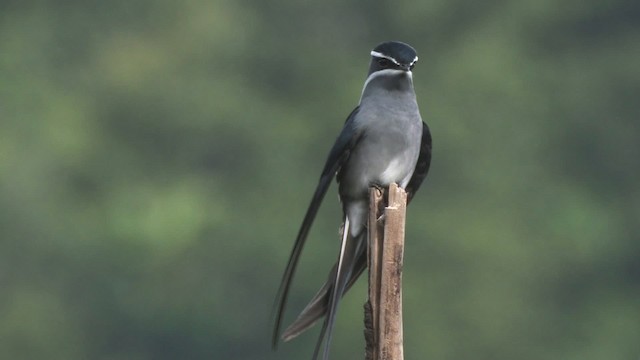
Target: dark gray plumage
[(383, 140)]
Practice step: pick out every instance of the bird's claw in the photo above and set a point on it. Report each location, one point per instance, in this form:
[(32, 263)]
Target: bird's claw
[(378, 187)]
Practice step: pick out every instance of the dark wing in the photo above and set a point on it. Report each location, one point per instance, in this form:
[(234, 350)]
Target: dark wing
[(422, 166), (337, 157)]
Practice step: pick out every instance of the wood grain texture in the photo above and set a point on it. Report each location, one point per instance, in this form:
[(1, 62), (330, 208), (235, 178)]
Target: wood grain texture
[(383, 311)]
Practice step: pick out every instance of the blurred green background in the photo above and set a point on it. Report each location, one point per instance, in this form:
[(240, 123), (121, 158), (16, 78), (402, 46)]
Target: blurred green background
[(157, 157)]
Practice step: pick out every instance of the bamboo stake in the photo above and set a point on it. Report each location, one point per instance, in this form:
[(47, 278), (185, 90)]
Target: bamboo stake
[(383, 311)]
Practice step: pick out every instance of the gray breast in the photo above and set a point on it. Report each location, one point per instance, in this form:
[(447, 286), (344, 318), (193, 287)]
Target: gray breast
[(389, 149)]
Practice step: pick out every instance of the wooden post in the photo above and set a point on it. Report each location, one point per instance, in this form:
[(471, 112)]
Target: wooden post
[(383, 311)]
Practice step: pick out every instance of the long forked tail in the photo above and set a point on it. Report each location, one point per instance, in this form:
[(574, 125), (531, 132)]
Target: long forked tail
[(317, 307), (345, 268)]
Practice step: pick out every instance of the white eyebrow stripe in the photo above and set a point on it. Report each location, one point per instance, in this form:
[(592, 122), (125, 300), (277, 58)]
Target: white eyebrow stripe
[(381, 55)]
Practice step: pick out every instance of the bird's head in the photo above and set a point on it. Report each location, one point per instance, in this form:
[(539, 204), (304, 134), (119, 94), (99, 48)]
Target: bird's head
[(390, 68), (393, 55)]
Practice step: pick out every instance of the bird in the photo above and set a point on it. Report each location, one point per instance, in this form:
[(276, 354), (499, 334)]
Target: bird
[(383, 141)]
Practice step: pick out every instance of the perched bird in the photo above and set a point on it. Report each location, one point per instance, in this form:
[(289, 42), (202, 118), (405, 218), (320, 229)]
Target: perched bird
[(384, 140)]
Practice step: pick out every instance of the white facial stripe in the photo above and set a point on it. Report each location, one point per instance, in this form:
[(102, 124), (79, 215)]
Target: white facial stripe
[(380, 55), (384, 72)]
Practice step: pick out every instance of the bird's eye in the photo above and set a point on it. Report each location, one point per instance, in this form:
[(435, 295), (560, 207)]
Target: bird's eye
[(384, 62), (412, 66)]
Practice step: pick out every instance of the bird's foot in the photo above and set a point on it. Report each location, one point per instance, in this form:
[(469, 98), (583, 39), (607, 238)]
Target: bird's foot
[(379, 187)]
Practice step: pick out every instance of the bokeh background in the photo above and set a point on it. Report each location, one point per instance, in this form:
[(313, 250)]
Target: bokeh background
[(157, 157)]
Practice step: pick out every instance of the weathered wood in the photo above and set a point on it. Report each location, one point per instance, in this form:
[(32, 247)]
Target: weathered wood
[(375, 239), (383, 311), (390, 331)]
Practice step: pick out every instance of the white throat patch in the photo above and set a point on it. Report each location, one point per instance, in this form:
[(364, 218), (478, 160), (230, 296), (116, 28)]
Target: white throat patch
[(383, 73)]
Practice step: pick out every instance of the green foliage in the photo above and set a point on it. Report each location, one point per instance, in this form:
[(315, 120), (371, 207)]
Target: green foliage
[(156, 159)]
